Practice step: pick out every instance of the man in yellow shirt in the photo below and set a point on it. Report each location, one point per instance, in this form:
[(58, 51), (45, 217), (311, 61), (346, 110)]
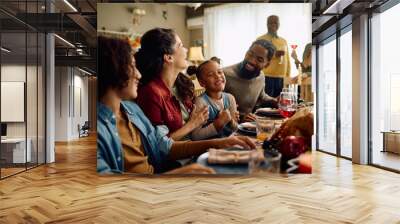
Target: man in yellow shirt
[(279, 67)]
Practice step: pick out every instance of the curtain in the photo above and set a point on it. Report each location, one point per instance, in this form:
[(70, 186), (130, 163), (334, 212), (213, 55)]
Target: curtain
[(230, 29)]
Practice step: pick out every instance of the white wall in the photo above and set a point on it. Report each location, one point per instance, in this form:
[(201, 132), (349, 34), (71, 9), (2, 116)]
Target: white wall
[(16, 73), (61, 103), (67, 115), (80, 83), (116, 17)]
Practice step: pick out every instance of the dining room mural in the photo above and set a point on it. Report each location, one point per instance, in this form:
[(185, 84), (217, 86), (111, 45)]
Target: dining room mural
[(201, 88)]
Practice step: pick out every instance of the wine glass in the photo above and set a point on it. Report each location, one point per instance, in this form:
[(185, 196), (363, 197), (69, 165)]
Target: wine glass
[(290, 89), (287, 104), (280, 50), (285, 90)]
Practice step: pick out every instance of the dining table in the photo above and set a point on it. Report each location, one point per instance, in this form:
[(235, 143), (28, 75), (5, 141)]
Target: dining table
[(293, 164), (236, 168)]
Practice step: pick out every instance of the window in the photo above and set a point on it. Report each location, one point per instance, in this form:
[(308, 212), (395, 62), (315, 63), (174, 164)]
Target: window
[(326, 104), (22, 80), (385, 88), (346, 93)]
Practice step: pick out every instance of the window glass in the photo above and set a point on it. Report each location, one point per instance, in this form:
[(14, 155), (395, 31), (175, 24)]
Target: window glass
[(327, 97)]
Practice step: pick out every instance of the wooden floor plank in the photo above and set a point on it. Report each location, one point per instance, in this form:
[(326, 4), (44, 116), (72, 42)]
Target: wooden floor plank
[(70, 191)]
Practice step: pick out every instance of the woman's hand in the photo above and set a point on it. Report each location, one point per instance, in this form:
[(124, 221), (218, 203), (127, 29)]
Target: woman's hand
[(192, 169), (199, 116), (230, 141)]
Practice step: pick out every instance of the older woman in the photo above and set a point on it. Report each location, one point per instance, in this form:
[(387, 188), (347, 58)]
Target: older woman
[(160, 59), (126, 139)]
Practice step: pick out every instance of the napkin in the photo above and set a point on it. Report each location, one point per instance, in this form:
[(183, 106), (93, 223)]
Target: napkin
[(222, 156)]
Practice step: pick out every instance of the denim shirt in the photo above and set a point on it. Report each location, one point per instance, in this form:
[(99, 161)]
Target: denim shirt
[(213, 114), (109, 149)]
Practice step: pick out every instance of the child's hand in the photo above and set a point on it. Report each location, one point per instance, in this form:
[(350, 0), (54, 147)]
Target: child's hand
[(237, 116), (198, 116), (224, 117), (237, 113)]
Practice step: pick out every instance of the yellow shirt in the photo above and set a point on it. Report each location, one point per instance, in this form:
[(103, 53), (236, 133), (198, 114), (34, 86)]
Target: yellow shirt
[(135, 159), (275, 69)]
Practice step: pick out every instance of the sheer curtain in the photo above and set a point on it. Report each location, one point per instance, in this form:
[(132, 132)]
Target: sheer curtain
[(230, 29)]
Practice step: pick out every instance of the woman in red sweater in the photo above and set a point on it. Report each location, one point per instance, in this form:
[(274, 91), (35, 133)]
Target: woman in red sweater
[(160, 59)]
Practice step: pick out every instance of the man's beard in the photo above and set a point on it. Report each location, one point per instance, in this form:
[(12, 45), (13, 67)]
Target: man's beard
[(246, 74)]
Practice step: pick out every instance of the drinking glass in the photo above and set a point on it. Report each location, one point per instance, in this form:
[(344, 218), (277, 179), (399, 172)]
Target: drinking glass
[(263, 162), (265, 128)]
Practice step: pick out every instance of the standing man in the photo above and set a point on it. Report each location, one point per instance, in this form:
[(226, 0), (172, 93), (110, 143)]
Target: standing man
[(279, 67)]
